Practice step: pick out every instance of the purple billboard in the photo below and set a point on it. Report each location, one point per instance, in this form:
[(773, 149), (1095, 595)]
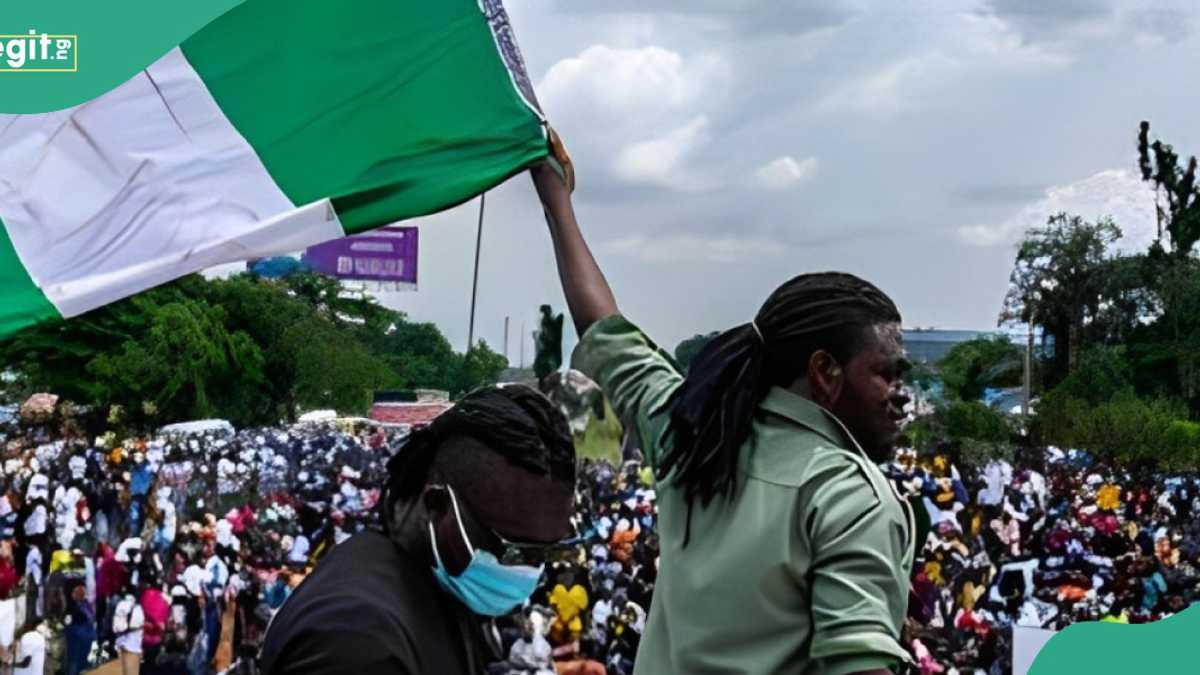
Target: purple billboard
[(388, 254)]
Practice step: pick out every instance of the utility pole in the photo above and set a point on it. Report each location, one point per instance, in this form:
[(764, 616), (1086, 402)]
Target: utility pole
[(1028, 370), (475, 283), (506, 338)]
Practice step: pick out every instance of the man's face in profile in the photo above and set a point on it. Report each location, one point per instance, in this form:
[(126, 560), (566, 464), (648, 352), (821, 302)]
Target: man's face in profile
[(873, 400)]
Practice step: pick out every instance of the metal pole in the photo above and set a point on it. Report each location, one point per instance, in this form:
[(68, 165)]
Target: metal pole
[(475, 283), (1028, 369), (506, 338), (522, 335)]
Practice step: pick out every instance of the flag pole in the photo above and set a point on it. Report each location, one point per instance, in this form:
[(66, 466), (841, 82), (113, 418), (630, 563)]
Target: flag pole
[(475, 283)]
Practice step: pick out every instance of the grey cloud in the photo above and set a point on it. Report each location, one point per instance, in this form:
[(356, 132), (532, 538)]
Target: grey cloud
[(1048, 21), (1169, 23), (754, 17), (892, 189)]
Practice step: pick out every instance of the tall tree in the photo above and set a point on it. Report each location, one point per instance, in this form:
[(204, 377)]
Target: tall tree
[(1179, 216), (1176, 273), (1059, 278), (186, 366)]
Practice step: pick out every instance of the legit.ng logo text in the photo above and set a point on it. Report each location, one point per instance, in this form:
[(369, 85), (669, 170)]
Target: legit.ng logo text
[(35, 52)]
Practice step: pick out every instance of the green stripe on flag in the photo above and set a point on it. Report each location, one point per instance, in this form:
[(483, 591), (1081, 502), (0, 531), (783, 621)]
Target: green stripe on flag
[(391, 108), (24, 303)]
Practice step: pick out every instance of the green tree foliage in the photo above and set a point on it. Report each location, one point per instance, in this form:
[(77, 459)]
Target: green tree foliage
[(1059, 280), (332, 370), (479, 367), (978, 432), (1102, 373), (975, 365), (1179, 218), (1128, 429), (417, 353), (975, 420), (187, 365), (254, 351), (689, 349)]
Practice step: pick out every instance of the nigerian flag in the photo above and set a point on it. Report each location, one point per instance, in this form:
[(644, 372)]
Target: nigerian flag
[(278, 126)]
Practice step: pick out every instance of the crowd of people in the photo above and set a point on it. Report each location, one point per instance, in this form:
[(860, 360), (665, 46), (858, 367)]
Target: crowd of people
[(170, 553), (1044, 541)]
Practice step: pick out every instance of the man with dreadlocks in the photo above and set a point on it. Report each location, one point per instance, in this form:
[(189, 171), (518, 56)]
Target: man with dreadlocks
[(473, 504), (784, 549)]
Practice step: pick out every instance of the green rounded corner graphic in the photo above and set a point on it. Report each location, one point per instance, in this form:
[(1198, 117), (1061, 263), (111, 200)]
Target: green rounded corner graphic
[(90, 48), (1100, 648)]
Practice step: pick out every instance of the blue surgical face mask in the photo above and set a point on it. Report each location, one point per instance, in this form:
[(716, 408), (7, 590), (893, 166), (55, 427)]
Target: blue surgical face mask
[(486, 587)]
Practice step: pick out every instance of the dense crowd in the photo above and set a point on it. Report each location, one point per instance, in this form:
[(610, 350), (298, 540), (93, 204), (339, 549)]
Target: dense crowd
[(174, 551), (1047, 540)]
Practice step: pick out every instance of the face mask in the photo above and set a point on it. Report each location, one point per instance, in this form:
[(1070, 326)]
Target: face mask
[(486, 587)]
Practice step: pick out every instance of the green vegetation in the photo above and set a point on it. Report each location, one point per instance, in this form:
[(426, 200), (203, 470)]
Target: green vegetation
[(1118, 369), (249, 350)]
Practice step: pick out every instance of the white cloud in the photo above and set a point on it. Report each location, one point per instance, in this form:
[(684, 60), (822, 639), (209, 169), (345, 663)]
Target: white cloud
[(662, 160), (635, 114), (1118, 193), (691, 248), (614, 83), (893, 88), (785, 172)]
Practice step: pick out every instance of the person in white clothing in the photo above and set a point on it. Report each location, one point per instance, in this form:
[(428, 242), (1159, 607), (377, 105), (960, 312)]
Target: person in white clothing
[(30, 658), (128, 622)]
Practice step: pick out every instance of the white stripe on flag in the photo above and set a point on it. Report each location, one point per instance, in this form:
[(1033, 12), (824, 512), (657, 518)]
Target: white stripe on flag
[(139, 186)]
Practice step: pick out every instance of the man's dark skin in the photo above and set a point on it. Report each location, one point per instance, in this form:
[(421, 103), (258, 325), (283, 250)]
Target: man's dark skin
[(513, 503), (498, 499), (867, 393)]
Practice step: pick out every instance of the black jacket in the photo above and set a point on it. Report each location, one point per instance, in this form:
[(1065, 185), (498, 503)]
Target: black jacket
[(369, 607)]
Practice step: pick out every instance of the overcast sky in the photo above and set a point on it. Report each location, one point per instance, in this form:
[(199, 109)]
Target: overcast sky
[(724, 146)]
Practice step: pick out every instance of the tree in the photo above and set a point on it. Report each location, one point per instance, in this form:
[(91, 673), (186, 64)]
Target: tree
[(1102, 373), (332, 369), (418, 353), (976, 365), (1059, 279), (1175, 272), (690, 348), (1126, 429), (479, 367), (186, 366), (976, 421), (1180, 219)]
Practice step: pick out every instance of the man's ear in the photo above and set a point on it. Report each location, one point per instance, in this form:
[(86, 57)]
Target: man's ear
[(826, 378)]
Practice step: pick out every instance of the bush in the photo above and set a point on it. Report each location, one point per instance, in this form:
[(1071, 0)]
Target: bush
[(1101, 373), (1126, 429), (976, 421), (975, 365), (979, 432)]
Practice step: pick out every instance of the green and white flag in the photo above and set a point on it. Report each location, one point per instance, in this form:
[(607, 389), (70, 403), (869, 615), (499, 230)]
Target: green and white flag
[(278, 126)]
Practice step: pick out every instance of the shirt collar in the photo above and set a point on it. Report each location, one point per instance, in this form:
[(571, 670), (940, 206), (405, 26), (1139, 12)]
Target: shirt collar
[(804, 412)]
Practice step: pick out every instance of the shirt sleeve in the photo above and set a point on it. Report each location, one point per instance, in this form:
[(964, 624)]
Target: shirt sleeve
[(859, 584), (636, 375)]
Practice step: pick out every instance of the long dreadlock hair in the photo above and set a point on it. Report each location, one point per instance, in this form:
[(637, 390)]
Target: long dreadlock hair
[(516, 421), (712, 412)]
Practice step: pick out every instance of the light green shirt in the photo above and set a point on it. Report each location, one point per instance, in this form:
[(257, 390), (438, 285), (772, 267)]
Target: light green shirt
[(804, 570)]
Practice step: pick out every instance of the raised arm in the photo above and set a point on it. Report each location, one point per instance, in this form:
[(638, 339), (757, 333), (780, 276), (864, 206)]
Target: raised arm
[(589, 297)]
